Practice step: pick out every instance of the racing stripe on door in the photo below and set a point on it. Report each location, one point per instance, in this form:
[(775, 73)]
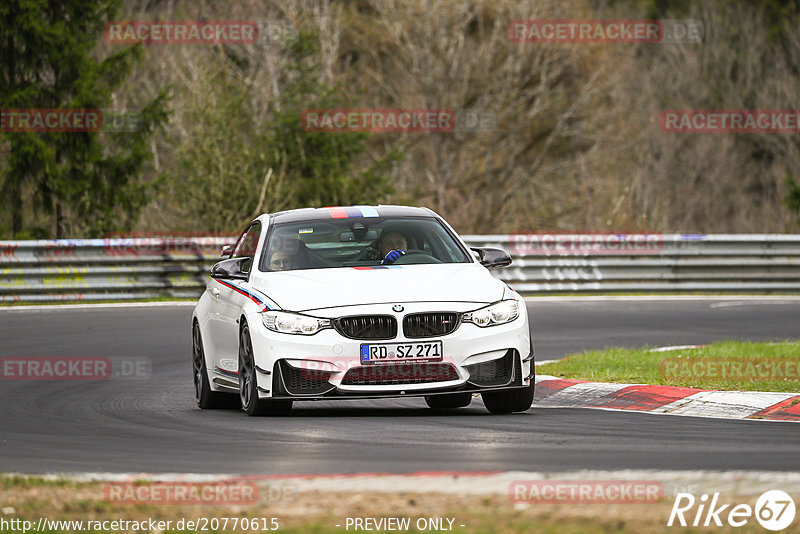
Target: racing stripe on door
[(252, 295)]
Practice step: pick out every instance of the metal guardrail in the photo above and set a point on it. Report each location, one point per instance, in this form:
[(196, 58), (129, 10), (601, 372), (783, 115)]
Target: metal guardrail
[(121, 269), (649, 263), (106, 269)]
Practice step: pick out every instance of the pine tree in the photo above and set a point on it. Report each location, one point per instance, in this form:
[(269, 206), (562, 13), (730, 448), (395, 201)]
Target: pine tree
[(76, 182)]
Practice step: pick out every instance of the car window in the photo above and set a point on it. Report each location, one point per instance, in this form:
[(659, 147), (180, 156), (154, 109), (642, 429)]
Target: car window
[(359, 242), (247, 244)]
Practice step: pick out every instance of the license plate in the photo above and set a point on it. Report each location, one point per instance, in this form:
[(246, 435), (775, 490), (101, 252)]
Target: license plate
[(377, 353)]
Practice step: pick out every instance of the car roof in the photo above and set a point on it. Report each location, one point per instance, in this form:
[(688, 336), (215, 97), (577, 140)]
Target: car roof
[(348, 212)]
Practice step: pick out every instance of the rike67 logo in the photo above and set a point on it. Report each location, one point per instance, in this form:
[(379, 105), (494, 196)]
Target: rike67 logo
[(774, 510)]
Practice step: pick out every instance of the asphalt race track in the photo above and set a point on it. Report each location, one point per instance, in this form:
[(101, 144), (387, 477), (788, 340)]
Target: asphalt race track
[(151, 424)]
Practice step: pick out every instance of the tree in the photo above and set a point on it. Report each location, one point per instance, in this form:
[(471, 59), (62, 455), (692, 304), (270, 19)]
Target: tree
[(72, 182), (792, 198), (231, 152), (321, 163), (534, 108)]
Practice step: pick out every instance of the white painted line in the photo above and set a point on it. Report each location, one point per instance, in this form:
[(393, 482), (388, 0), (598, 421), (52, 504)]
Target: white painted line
[(676, 347), (543, 362), (755, 302), (542, 378), (51, 307)]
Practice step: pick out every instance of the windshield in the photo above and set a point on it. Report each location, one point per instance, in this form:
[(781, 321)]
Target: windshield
[(360, 243)]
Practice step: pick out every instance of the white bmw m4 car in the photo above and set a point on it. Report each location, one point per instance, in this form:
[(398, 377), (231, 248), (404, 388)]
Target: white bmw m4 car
[(359, 302)]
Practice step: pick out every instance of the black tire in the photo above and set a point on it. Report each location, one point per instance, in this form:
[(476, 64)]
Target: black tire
[(248, 389), (206, 398), (506, 401), (449, 401)]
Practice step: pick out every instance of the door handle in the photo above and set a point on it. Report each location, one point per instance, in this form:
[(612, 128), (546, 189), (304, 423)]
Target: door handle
[(215, 292)]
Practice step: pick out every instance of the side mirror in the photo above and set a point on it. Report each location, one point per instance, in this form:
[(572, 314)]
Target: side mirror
[(227, 250), (230, 269), (493, 257)]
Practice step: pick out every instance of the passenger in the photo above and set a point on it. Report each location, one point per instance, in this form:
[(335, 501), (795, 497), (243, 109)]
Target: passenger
[(291, 254), (281, 260)]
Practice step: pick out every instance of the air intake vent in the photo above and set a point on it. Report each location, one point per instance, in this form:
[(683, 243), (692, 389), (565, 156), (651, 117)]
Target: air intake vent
[(406, 373), (497, 372), (421, 325), (367, 327), (304, 381)]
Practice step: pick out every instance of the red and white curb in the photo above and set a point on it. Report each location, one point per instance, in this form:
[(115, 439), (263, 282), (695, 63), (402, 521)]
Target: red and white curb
[(554, 392)]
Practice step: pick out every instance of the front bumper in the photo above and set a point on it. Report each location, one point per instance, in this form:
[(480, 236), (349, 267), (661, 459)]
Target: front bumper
[(327, 365)]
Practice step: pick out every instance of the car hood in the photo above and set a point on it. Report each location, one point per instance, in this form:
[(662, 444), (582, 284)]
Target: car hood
[(326, 288)]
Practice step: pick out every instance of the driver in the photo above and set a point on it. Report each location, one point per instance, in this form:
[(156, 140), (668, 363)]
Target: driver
[(392, 245)]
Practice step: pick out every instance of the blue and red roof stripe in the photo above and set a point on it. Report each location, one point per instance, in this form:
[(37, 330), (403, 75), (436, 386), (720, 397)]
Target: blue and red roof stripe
[(338, 212)]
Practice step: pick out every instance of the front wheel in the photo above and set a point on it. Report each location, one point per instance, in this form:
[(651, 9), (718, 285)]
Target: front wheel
[(507, 401), (248, 384), (448, 402), (206, 398)]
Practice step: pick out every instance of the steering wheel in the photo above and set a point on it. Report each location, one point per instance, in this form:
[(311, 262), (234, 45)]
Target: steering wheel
[(413, 256)]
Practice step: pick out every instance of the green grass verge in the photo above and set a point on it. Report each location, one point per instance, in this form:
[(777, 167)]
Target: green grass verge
[(729, 365), (25, 481)]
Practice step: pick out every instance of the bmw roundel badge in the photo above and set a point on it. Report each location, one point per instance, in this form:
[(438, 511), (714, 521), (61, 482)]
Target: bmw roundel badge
[(397, 308)]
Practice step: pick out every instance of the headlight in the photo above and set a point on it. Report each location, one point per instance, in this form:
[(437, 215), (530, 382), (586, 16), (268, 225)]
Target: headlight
[(294, 323), (501, 312)]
